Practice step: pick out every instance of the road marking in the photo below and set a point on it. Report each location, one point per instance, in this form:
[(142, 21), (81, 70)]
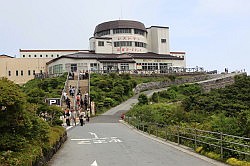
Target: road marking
[(96, 140), (94, 163), (80, 139), (94, 135)]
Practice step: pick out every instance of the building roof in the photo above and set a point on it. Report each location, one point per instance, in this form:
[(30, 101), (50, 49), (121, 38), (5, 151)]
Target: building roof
[(5, 56), (118, 58), (119, 24), (51, 50)]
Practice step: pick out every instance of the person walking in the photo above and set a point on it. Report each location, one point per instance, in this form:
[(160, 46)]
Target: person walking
[(73, 116), (82, 118), (67, 116)]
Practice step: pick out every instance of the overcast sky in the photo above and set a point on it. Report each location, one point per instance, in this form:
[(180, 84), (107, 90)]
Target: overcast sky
[(214, 33)]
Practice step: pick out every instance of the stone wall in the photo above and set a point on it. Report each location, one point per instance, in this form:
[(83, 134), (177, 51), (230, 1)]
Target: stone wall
[(207, 82), (219, 82)]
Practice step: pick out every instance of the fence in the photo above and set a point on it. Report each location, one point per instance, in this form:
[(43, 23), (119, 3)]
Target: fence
[(225, 145), (169, 70)]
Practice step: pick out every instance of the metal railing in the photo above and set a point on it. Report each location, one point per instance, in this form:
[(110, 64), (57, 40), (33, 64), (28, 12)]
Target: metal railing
[(64, 88), (169, 70), (224, 144)]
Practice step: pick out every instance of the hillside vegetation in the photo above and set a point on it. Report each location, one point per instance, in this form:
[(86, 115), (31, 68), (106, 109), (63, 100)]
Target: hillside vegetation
[(225, 110), (25, 133), (109, 90)]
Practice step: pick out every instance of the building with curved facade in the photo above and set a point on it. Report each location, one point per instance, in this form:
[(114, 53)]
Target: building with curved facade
[(127, 36), (115, 45)]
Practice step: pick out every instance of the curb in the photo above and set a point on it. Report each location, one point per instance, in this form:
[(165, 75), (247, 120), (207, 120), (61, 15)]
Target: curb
[(181, 148)]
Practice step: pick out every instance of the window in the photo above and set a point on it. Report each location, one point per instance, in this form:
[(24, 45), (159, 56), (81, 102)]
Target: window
[(29, 56), (23, 56), (140, 44), (103, 33), (9, 73), (123, 43), (16, 72), (124, 66), (21, 72), (29, 72), (46, 56), (121, 30), (57, 55), (139, 32), (94, 66), (100, 43), (57, 69), (34, 72), (163, 40), (52, 55), (34, 55), (41, 56)]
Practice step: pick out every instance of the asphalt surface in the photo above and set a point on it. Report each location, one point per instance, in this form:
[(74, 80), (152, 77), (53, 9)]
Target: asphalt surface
[(104, 141)]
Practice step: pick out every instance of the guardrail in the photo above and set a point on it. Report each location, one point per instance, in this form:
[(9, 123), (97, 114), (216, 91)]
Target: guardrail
[(224, 144), (169, 70), (64, 88)]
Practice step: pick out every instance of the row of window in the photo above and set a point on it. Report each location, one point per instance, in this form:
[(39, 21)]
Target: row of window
[(47, 56), (129, 44), (121, 30), (153, 66), (103, 33), (22, 73)]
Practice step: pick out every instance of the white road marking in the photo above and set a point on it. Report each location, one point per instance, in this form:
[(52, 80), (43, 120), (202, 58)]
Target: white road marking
[(94, 135), (80, 139), (94, 163), (96, 140)]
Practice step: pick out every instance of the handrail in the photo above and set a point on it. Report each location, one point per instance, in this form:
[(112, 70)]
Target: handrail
[(181, 135), (65, 87)]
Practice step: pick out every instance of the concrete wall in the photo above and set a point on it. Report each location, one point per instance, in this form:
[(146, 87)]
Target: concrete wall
[(155, 35), (23, 65)]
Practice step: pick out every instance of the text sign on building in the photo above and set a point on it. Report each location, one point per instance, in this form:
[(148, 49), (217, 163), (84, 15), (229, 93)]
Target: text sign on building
[(53, 101)]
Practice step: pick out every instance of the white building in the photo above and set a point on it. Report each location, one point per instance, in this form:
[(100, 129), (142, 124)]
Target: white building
[(122, 45)]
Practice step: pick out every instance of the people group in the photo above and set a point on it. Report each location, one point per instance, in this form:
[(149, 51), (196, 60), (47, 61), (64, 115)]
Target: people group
[(80, 110), (83, 75)]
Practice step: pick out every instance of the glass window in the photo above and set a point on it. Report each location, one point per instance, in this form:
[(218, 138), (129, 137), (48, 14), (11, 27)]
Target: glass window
[(123, 44), (163, 40), (103, 33), (41, 56), (29, 55), (9, 73), (139, 32), (29, 72), (21, 73), (57, 69), (121, 30), (140, 44), (16, 72), (46, 56), (51, 55), (34, 55), (24, 56), (100, 43), (124, 66)]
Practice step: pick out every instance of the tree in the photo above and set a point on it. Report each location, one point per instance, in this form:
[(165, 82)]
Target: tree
[(143, 99)]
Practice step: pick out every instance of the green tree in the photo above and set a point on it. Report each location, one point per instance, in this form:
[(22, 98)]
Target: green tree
[(143, 99)]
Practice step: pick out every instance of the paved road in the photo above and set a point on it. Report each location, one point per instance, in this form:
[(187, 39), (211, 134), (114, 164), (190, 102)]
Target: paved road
[(106, 142)]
